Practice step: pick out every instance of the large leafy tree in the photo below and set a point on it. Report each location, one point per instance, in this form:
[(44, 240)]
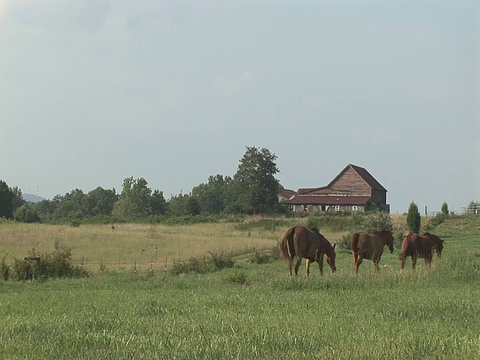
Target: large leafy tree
[(211, 196), (72, 205), (100, 201), (158, 203), (134, 201), (183, 204), (7, 197), (18, 199), (254, 188)]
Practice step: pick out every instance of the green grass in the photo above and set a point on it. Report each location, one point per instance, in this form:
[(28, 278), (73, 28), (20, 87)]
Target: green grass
[(422, 314)]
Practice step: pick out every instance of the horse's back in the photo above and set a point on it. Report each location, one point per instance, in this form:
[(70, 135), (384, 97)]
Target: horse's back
[(364, 244)]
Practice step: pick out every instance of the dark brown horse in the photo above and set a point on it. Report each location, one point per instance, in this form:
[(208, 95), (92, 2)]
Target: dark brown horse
[(370, 246), (419, 246), (437, 243), (300, 242)]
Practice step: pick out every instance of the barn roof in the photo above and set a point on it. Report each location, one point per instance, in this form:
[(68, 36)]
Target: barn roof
[(364, 174), (286, 193)]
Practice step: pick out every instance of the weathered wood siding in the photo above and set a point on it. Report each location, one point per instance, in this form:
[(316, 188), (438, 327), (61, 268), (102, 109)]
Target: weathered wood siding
[(348, 184)]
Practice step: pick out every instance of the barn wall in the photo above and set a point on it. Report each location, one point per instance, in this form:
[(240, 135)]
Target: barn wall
[(329, 208)]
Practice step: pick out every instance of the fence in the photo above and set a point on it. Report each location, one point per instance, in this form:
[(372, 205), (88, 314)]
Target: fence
[(470, 211), (157, 265)]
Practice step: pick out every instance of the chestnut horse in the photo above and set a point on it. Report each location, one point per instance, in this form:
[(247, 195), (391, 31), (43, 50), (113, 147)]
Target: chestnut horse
[(422, 246), (436, 242), (300, 242), (370, 246)]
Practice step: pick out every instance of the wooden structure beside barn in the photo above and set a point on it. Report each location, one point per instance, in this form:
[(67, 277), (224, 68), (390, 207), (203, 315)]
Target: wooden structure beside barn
[(353, 189)]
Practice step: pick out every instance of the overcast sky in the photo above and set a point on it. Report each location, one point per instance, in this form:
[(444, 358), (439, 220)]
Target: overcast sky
[(94, 91)]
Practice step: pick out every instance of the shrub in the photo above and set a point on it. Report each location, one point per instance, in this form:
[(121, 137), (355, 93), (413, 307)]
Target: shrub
[(313, 222), (435, 221), (237, 277), (217, 261), (4, 269), (261, 258), (57, 264), (376, 221), (345, 241)]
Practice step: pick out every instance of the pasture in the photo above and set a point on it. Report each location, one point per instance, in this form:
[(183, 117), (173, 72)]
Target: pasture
[(429, 313)]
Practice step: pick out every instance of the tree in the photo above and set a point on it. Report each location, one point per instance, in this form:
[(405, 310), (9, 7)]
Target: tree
[(445, 209), (27, 214), (18, 199), (71, 206), (100, 201), (254, 188), (211, 197), (7, 197), (158, 203), (413, 218), (183, 204), (134, 201)]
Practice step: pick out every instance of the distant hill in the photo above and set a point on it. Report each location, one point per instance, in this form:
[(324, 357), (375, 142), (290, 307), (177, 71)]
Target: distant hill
[(32, 198)]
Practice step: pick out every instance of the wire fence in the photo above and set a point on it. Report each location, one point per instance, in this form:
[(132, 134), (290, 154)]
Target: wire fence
[(153, 265)]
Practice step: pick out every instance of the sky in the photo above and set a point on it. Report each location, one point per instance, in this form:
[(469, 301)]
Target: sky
[(95, 91)]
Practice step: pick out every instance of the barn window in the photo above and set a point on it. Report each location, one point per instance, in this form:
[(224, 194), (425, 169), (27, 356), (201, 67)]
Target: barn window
[(355, 208), (305, 208), (337, 207)]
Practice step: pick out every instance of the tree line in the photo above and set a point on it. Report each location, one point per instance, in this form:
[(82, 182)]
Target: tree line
[(252, 190)]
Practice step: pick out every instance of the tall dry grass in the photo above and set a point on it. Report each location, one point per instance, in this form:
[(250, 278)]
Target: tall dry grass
[(132, 245)]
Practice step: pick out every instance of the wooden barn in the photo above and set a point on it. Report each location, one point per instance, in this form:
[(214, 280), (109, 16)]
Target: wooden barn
[(353, 189)]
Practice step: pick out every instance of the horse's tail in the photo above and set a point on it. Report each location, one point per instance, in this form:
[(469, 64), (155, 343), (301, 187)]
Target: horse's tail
[(355, 239), (287, 248)]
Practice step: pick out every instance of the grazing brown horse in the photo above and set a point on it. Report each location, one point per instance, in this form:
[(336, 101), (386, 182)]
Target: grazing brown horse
[(300, 242), (437, 243), (370, 246), (419, 246)]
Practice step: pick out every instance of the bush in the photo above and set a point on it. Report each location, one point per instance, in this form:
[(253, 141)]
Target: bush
[(237, 277), (4, 269), (261, 258), (215, 262), (376, 222), (345, 241), (57, 264), (435, 221)]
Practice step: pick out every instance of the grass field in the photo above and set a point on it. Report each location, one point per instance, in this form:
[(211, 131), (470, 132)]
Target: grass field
[(423, 314)]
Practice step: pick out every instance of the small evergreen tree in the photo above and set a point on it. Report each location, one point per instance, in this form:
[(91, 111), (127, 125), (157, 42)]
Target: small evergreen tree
[(445, 209), (413, 218)]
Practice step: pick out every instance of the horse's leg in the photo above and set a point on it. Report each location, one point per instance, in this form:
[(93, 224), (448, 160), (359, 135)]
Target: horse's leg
[(307, 268), (428, 260), (297, 264), (320, 264), (358, 262), (355, 257), (290, 265), (414, 261), (375, 262)]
